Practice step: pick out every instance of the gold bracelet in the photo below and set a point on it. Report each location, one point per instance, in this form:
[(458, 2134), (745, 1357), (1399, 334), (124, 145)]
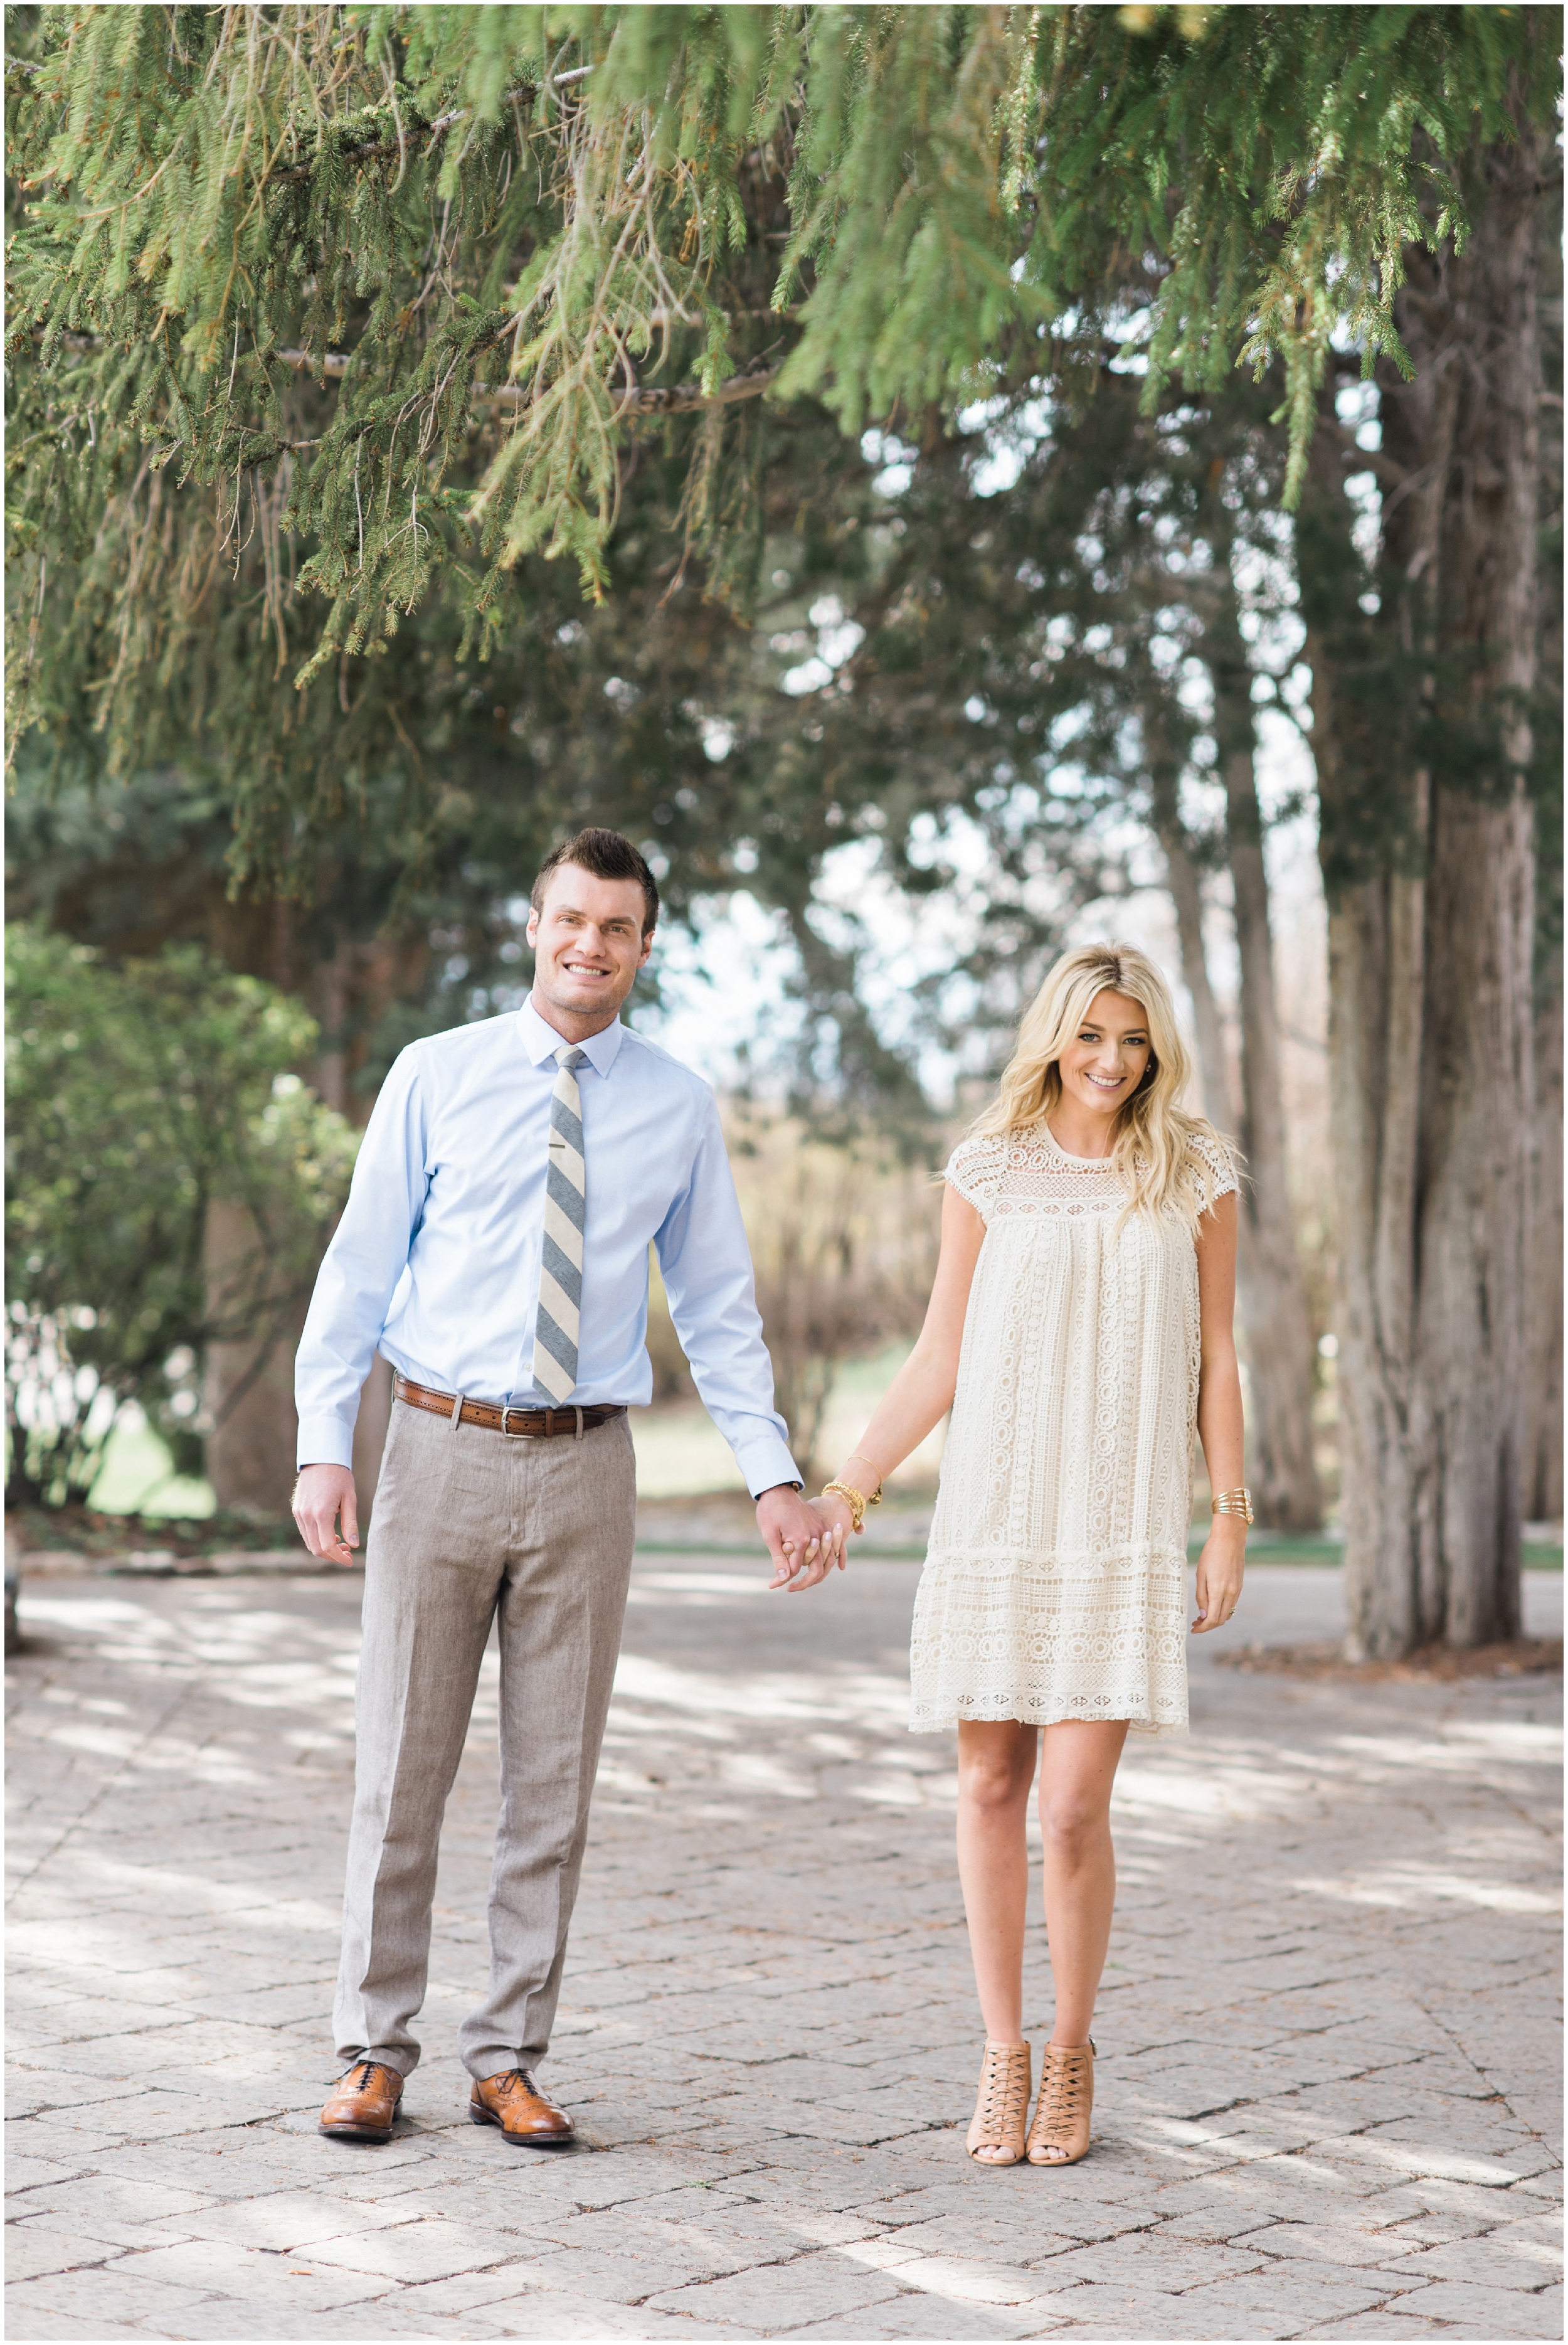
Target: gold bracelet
[(855, 1500), (875, 1497), (1234, 1502)]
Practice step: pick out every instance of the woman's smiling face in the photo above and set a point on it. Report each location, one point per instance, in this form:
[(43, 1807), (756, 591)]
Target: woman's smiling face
[(1105, 1062)]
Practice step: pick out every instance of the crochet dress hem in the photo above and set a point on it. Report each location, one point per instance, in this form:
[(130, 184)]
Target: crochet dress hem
[(1021, 1710)]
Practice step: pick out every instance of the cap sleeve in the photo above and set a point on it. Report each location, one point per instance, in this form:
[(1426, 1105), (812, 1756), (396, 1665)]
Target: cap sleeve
[(1214, 1169), (975, 1170)]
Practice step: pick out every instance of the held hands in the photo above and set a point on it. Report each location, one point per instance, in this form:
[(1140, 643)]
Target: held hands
[(1219, 1570), (837, 1522), (800, 1537), (321, 1494)]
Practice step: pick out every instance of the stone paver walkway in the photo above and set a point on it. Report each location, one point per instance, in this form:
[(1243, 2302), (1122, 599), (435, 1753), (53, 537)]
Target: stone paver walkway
[(1328, 2069)]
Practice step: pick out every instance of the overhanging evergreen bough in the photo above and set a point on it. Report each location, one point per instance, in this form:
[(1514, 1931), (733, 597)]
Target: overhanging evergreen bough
[(387, 290)]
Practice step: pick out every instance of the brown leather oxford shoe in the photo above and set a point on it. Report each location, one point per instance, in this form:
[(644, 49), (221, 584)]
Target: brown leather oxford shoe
[(514, 2102), (364, 2103)]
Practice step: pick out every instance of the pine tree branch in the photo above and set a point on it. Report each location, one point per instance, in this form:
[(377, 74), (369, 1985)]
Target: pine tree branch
[(371, 148), (686, 398), (678, 399), (1363, 460)]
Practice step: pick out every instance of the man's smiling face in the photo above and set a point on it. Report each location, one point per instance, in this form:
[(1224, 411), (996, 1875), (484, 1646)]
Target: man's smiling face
[(588, 943)]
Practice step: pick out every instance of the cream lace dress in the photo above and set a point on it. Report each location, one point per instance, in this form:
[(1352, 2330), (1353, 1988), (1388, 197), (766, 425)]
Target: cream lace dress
[(1055, 1583)]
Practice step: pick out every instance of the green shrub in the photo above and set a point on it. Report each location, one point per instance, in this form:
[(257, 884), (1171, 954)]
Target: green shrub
[(140, 1098)]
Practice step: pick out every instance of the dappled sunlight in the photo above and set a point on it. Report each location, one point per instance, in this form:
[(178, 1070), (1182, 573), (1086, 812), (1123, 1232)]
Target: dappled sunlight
[(265, 1660), (214, 1628), (757, 1697), (1508, 1738), (1457, 1749), (769, 1962), (625, 1720), (836, 1732), (706, 1588), (833, 1746), (94, 1612), (1424, 2157), (950, 2277), (1205, 1789), (889, 1791), (748, 1770), (167, 1882), (96, 1739), (1418, 1884), (1181, 2133)]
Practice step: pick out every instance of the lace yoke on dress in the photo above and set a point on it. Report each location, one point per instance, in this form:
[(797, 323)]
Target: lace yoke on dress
[(1031, 1175)]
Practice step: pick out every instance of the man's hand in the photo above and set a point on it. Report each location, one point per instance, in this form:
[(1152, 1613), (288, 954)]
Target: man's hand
[(798, 1542), (321, 1494)]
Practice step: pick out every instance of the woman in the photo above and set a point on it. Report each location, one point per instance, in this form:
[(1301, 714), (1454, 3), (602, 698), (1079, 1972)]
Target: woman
[(1079, 1328)]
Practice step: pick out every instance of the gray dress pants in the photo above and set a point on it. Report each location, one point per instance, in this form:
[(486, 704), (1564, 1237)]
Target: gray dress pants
[(472, 1526)]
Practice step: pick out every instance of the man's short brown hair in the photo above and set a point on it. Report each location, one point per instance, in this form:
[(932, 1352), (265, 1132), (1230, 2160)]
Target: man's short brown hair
[(607, 856)]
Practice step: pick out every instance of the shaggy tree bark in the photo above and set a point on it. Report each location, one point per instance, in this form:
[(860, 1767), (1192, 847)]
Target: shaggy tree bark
[(1276, 1324), (1543, 1331), (1186, 898), (1428, 852), (248, 1387), (1281, 1468)]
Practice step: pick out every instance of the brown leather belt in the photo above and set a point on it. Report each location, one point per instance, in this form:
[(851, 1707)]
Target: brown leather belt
[(533, 1424)]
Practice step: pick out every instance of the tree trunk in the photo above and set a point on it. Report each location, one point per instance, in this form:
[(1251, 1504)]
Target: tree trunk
[(249, 1399), (1164, 762), (335, 990), (1277, 1324), (1181, 877), (248, 1386), (1427, 850), (1543, 1336)]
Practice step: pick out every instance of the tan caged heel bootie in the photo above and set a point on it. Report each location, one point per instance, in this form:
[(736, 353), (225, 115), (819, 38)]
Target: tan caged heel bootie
[(1066, 2098), (1001, 2105)]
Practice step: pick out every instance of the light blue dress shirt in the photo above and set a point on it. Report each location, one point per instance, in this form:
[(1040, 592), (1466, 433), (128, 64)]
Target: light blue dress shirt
[(436, 1261)]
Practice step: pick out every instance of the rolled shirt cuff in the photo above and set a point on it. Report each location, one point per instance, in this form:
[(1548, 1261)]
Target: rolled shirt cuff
[(766, 1462), (324, 1441)]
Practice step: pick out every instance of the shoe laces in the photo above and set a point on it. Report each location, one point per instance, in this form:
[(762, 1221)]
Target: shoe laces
[(1062, 2085), (510, 2077), (1003, 2085)]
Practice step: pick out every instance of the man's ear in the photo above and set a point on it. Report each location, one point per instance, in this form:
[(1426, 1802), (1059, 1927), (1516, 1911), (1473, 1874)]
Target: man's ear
[(647, 946), (531, 931)]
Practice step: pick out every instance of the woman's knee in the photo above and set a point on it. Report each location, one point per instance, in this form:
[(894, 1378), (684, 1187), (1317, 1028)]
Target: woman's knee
[(1073, 1821), (995, 1772), (993, 1791)]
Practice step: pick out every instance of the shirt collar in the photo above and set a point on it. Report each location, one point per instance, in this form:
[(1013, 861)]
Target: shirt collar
[(541, 1041)]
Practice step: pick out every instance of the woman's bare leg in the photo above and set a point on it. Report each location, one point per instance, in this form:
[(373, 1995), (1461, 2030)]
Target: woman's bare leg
[(1077, 1772), (996, 1773)]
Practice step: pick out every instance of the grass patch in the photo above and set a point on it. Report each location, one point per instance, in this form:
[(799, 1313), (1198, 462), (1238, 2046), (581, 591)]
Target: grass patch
[(93, 1533)]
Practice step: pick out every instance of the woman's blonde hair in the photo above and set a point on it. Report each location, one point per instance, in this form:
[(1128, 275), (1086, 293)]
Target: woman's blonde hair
[(1154, 1150)]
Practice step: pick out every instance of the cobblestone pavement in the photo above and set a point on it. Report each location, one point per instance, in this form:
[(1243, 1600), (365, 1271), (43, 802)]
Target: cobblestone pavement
[(1327, 2070)]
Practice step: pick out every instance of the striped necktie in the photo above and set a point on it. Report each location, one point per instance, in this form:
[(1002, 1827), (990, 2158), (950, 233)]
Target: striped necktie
[(561, 1272)]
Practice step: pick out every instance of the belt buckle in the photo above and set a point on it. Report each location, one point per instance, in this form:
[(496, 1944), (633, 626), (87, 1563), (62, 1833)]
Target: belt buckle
[(506, 1411)]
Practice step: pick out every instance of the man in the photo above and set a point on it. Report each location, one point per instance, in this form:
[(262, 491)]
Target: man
[(495, 1249)]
